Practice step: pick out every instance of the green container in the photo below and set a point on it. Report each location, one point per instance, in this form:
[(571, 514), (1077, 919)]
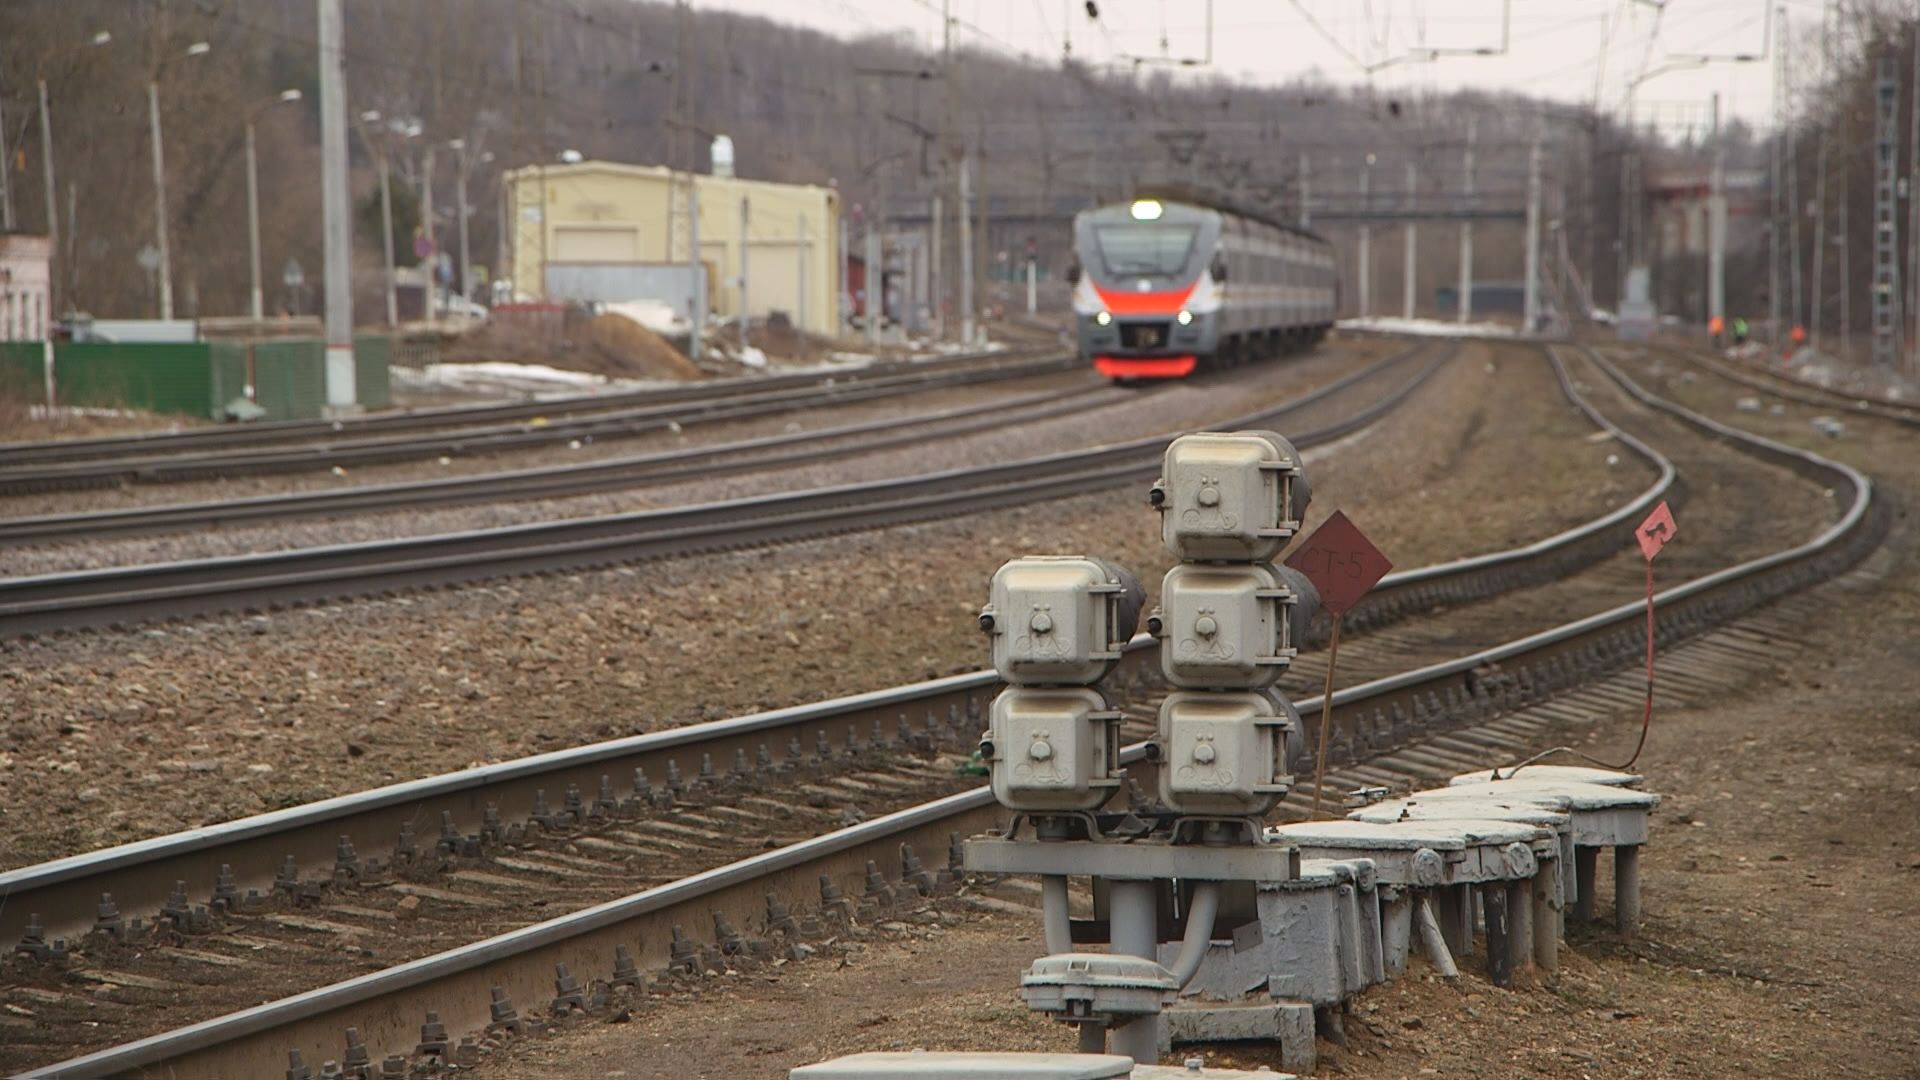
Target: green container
[(289, 378), (372, 360), (163, 378), (22, 373)]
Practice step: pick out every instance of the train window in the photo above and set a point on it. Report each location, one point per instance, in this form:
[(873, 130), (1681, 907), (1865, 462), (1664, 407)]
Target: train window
[(1145, 249)]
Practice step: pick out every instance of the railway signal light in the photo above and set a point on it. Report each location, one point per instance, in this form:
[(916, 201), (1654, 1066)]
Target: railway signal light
[(1228, 621), (1059, 623), (1230, 497), (1230, 626), (1224, 752)]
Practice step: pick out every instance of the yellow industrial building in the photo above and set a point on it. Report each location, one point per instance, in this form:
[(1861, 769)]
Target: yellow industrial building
[(600, 230)]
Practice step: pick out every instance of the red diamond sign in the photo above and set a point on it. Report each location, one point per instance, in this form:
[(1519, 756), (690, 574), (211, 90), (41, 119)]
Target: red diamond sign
[(1654, 532), (1341, 562)]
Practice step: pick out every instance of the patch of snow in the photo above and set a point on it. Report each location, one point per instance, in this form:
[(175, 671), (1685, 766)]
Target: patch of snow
[(751, 357), (1426, 327), (505, 377), (41, 412)]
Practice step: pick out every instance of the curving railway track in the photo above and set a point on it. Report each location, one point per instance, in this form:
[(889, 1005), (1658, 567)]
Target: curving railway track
[(1789, 388), (587, 849), (124, 595)]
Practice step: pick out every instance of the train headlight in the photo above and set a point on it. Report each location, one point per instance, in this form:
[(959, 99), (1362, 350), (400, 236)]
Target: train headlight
[(1185, 317), (1103, 318)]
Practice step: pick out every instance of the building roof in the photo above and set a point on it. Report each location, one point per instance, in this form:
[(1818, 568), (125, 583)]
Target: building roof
[(647, 172)]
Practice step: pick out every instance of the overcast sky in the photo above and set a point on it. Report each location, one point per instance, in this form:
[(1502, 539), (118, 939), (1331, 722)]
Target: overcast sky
[(1563, 49)]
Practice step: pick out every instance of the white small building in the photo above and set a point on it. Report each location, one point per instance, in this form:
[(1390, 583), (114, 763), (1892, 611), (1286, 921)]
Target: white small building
[(26, 287)]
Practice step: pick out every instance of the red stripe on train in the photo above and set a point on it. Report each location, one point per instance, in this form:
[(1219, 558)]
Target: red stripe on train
[(1165, 302), (1149, 367)]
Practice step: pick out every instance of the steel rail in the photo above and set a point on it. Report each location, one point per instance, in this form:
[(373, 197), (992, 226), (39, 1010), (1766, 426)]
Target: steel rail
[(309, 832), (267, 432), (1806, 393), (167, 590), (550, 482), (387, 449), (64, 888), (386, 1005)]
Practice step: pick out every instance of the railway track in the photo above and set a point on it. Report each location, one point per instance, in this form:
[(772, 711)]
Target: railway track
[(308, 445), (1792, 389), (1377, 720), (633, 471), (170, 590)]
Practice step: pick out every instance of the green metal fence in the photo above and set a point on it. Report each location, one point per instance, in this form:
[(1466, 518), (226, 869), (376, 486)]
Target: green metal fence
[(22, 374), (287, 376), (372, 364), (163, 378)]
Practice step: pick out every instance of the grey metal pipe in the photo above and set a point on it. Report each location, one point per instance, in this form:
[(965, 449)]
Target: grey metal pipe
[(1134, 919), (1201, 913), (1054, 917)]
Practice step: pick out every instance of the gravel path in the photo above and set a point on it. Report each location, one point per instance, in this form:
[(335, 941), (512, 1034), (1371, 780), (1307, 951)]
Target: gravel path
[(114, 736), (1119, 415)]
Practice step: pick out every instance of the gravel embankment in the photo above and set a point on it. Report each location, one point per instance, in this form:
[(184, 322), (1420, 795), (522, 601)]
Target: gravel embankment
[(1117, 415), (115, 736)]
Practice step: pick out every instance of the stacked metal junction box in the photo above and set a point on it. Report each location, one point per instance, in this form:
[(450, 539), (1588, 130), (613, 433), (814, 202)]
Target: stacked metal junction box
[(1217, 927)]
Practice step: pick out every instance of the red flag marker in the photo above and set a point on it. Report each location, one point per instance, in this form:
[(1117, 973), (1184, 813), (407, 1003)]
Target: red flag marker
[(1654, 533), (1342, 564)]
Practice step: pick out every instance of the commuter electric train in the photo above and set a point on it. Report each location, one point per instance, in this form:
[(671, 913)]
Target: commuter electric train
[(1162, 287)]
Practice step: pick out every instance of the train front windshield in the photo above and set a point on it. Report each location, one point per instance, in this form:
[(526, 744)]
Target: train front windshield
[(1152, 250)]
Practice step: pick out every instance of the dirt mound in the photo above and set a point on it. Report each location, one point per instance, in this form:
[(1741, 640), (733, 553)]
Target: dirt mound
[(636, 350), (572, 338)]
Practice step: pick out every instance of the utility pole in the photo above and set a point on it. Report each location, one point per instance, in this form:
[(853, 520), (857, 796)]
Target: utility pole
[(53, 204), (1886, 270), (1306, 192), (876, 288), (1795, 310), (159, 199), (745, 319), (983, 258), (433, 240), (256, 304), (966, 250), (697, 302), (337, 216), (386, 238), (1773, 193), (800, 302), (460, 208), (844, 302), (1717, 226), (6, 188), (1366, 239), (1913, 210), (1818, 301), (1465, 306), (946, 130), (1408, 275), (938, 265), (1530, 306)]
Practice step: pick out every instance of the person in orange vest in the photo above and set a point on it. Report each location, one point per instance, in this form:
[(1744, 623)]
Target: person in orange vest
[(1715, 327), (1798, 335)]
